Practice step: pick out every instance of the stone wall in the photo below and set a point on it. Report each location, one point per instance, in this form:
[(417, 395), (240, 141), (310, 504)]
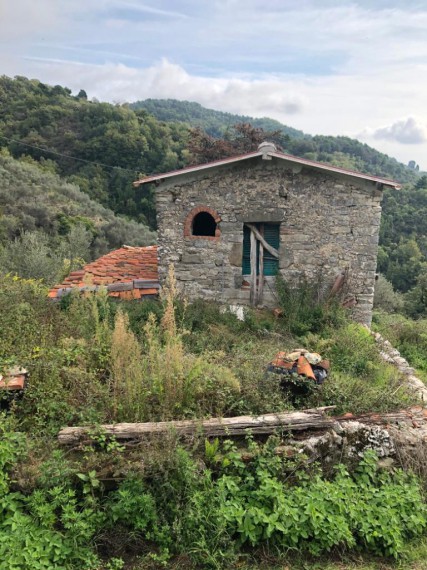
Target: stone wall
[(329, 223)]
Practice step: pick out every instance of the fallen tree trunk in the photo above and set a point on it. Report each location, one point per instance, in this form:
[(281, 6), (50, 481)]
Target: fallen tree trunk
[(213, 427), (298, 422)]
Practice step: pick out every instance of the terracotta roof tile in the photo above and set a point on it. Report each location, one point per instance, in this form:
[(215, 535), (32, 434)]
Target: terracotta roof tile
[(122, 266)]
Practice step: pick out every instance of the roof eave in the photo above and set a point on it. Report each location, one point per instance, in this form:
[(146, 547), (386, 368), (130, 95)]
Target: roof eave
[(337, 169), (283, 156), (197, 168)]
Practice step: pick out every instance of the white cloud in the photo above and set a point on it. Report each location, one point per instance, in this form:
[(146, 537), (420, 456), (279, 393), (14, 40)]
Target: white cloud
[(167, 80), (22, 18), (138, 7), (324, 66), (405, 131)]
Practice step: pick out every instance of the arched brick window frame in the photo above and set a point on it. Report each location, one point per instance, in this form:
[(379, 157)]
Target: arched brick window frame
[(188, 225)]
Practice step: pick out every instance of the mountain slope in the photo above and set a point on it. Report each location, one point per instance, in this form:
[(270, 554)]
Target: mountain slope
[(32, 198), (98, 146), (215, 123)]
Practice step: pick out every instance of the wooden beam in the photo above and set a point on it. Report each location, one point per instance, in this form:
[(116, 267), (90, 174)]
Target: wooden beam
[(260, 238), (261, 271), (213, 427), (311, 420), (253, 257)]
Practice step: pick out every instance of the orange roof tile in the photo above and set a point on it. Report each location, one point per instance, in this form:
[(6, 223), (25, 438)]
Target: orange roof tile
[(130, 272)]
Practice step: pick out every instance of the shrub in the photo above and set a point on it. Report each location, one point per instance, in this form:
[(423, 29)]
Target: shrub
[(162, 380), (386, 298), (50, 528), (375, 509), (359, 380), (353, 351), (308, 306), (129, 391), (408, 336)]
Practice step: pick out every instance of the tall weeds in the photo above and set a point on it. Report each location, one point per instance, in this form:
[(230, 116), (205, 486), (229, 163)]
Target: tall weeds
[(161, 380), (307, 305), (129, 395)]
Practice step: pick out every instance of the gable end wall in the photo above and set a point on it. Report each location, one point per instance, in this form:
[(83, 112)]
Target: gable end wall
[(328, 224)]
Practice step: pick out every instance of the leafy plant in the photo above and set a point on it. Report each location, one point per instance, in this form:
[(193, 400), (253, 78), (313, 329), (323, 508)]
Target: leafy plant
[(307, 305)]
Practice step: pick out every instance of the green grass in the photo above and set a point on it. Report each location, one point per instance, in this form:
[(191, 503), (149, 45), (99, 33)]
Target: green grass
[(408, 336), (414, 558)]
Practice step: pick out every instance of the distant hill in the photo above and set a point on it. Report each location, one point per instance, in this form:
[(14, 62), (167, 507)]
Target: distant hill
[(33, 198), (100, 147), (339, 151), (215, 123)]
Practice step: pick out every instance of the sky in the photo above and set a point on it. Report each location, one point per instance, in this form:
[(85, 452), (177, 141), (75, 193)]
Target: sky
[(333, 67)]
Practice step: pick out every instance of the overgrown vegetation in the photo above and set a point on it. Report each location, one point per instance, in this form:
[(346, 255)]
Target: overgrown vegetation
[(209, 515), (169, 503), (201, 504), (407, 335), (49, 227)]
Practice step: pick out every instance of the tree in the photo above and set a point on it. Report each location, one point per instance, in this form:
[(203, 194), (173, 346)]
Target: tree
[(238, 139)]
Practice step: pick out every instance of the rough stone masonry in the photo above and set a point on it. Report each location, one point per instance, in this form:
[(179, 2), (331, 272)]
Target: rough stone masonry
[(328, 222)]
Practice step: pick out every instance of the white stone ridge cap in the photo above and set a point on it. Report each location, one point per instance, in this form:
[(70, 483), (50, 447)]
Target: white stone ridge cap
[(268, 150)]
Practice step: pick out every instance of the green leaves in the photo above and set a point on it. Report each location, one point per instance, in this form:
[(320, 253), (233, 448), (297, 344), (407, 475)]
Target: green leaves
[(374, 509)]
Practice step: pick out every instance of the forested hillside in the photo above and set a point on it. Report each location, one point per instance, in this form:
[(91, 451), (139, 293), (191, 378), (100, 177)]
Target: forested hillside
[(101, 148), (215, 123), (340, 151), (111, 144), (45, 220)]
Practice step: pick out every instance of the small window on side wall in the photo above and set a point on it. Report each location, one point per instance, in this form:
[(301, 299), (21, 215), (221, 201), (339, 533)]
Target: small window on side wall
[(202, 222)]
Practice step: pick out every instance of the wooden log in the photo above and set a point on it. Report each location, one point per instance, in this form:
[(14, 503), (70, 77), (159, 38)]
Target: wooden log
[(297, 422), (213, 427), (260, 238), (146, 284), (253, 257)]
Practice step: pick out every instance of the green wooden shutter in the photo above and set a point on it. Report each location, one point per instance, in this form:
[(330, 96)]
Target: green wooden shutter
[(272, 237)]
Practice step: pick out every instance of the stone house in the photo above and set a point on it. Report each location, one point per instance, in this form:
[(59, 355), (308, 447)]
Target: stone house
[(230, 226)]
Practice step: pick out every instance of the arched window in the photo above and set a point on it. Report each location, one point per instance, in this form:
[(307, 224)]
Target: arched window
[(202, 222)]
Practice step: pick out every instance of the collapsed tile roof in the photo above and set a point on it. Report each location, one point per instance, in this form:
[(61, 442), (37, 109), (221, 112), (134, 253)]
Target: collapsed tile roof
[(127, 273)]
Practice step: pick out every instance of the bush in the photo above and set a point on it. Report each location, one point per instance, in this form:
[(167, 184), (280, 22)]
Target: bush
[(408, 336), (359, 380), (269, 502), (386, 298), (308, 306), (50, 528), (162, 380), (375, 509)]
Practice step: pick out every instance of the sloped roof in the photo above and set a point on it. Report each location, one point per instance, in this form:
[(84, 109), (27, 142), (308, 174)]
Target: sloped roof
[(127, 273), (269, 151)]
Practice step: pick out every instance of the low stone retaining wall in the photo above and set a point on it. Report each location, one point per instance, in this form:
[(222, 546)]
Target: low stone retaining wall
[(391, 355)]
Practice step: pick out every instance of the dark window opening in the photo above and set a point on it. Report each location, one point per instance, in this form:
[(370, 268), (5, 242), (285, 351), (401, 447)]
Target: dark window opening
[(204, 225)]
